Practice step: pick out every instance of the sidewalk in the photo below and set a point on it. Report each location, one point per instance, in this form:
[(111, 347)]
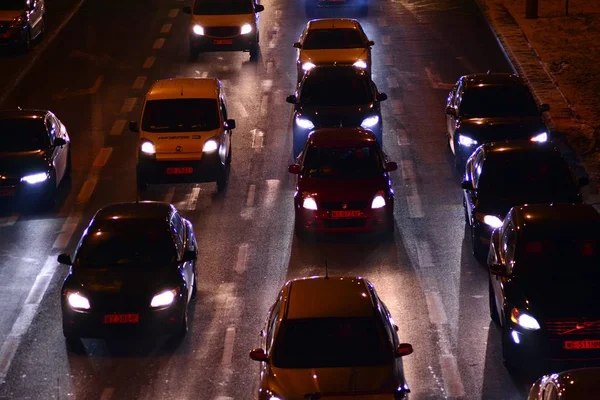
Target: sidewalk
[(559, 56)]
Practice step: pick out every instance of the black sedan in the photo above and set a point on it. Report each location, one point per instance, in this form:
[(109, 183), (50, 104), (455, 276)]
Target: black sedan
[(499, 176), (335, 96), (544, 283), (35, 155), (488, 107), (133, 272)]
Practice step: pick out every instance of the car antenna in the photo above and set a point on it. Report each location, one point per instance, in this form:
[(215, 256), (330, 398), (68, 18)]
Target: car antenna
[(326, 271), (489, 71), (19, 108)]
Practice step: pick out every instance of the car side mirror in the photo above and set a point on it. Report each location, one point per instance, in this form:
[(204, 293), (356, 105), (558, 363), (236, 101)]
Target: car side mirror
[(544, 107), (291, 99), (187, 10), (382, 97), (258, 355), (498, 270), (391, 166), (467, 185), (188, 255), (59, 142), (451, 111), (294, 169), (583, 181), (230, 124), (259, 8), (370, 43), (64, 259), (133, 126), (297, 45), (404, 349)]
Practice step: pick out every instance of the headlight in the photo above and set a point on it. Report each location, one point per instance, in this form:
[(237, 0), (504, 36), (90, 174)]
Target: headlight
[(164, 299), (542, 137), (198, 30), (35, 178), (360, 64), (148, 147), (78, 301), (18, 21), (309, 203), (492, 221), (466, 141), (246, 28), (524, 320), (304, 123), (370, 122), (307, 66), (378, 202), (210, 146)]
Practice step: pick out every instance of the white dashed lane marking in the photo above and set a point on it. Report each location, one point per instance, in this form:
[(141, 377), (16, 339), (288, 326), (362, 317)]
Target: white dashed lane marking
[(437, 315), (242, 258), (250, 198), (102, 157), (173, 12), (128, 104), (228, 351), (139, 82), (158, 44), (272, 192), (9, 221), (118, 127), (69, 226), (166, 28), (149, 62)]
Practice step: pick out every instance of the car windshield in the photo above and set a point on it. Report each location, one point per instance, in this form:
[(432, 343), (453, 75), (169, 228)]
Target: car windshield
[(343, 162), (181, 115), (333, 39), (335, 90), (331, 343), (127, 243), (498, 101), (18, 135), (12, 5), (527, 179), (223, 7)]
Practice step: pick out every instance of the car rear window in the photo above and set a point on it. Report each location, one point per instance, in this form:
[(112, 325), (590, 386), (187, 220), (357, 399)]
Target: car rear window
[(18, 135), (498, 101), (181, 115), (331, 343), (343, 162), (333, 39), (223, 7), (332, 90)]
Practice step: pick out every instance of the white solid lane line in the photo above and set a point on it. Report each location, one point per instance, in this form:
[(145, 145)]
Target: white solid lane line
[(228, 351), (118, 127), (149, 62), (403, 139), (242, 258)]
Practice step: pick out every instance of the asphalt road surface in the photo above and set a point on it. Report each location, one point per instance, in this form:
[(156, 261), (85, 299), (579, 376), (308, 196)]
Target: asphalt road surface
[(93, 74)]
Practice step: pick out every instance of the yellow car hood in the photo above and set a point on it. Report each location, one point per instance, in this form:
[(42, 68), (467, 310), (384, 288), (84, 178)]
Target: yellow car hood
[(376, 383), (329, 56), (222, 20)]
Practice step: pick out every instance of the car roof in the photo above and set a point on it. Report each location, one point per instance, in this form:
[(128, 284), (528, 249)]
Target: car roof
[(329, 297), (556, 217), (184, 88), (519, 147), (329, 23), (341, 137), (492, 79), (327, 71), (18, 113), (146, 210)]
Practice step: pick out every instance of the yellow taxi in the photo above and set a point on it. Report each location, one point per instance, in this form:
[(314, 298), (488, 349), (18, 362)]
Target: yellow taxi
[(184, 133), (224, 25), (333, 41), (330, 337)]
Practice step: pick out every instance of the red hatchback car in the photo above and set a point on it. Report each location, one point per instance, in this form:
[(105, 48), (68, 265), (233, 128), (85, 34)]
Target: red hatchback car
[(343, 183)]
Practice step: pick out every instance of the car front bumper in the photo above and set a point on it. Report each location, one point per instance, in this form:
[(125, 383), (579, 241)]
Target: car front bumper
[(322, 221), (13, 190), (237, 43), (208, 169)]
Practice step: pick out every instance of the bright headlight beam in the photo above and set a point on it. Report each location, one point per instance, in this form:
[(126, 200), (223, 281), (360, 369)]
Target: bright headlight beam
[(246, 28), (148, 148), (466, 141), (304, 123), (198, 30), (360, 64), (309, 203), (35, 178), (307, 66), (163, 299), (541, 138), (524, 320), (78, 301), (370, 122), (492, 221), (210, 146), (378, 202)]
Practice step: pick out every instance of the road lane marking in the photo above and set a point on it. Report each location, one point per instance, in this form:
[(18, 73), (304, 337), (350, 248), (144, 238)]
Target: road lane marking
[(257, 139), (173, 12), (87, 190), (392, 82), (437, 315), (169, 196), (228, 351), (82, 92), (403, 139), (272, 192), (149, 62), (415, 209), (264, 105), (436, 81), (26, 315), (241, 109), (166, 28), (397, 106), (38, 53), (128, 104), (102, 157), (242, 258), (118, 127), (250, 198), (269, 67), (386, 40), (139, 82), (451, 376), (64, 236), (9, 221), (388, 60), (158, 44), (267, 84), (191, 200), (408, 172), (424, 255)]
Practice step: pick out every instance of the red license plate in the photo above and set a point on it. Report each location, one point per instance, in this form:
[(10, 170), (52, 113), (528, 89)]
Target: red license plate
[(180, 170), (122, 318), (346, 214), (582, 344), (7, 192), (222, 41)]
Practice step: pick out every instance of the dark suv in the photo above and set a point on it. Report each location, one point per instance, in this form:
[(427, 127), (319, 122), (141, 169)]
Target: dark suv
[(335, 96), (485, 108)]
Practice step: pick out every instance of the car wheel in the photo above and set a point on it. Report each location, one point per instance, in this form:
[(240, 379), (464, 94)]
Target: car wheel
[(141, 183), (183, 327), (479, 250), (254, 52), (493, 310), (223, 178)]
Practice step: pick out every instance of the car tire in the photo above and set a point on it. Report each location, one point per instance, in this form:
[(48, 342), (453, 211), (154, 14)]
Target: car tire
[(223, 178), (478, 250), (493, 310), (141, 183), (254, 50), (183, 326)]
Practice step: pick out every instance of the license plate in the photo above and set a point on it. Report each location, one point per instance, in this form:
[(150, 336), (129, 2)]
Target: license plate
[(582, 344), (222, 41), (180, 170), (7, 192), (345, 214), (121, 318)]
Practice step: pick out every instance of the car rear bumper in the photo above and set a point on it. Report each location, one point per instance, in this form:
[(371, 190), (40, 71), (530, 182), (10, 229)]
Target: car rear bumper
[(12, 37), (236, 43), (207, 169)]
